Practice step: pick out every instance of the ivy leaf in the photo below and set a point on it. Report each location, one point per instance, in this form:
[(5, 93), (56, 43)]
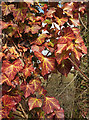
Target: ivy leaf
[(36, 83), (61, 47), (6, 9), (41, 39), (34, 102), (65, 67), (4, 78), (41, 91), (60, 114), (8, 103), (59, 12), (20, 13), (76, 30), (50, 12), (47, 63), (62, 56), (30, 88), (68, 35), (50, 104), (75, 21), (34, 29), (27, 29), (27, 70), (78, 47), (11, 69), (27, 89), (37, 48), (61, 21)]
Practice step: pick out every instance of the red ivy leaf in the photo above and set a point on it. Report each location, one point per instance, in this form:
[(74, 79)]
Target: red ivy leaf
[(27, 70), (37, 48), (41, 91), (65, 67), (60, 114), (6, 9), (27, 89), (31, 87), (4, 78), (34, 102), (61, 21), (50, 104), (61, 47), (8, 103), (47, 64), (36, 83), (62, 56), (20, 13), (75, 21), (68, 35), (11, 69), (41, 39), (34, 29)]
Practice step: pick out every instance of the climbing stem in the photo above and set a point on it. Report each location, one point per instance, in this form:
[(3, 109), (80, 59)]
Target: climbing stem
[(78, 68)]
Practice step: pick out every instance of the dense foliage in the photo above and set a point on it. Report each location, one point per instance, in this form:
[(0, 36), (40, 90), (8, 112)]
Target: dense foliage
[(38, 38)]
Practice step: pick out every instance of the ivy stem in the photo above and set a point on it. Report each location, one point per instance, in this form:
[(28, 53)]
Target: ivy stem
[(78, 68), (82, 22), (25, 115)]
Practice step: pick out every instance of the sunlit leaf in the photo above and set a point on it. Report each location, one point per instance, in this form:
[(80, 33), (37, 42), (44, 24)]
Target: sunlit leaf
[(34, 102), (60, 114), (50, 104), (27, 70), (34, 29), (61, 21), (11, 69), (41, 39), (47, 63), (8, 103), (6, 9), (61, 47), (20, 13), (75, 22), (67, 36)]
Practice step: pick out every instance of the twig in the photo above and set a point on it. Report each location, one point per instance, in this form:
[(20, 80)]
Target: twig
[(78, 68), (67, 85), (81, 94), (18, 114), (82, 22), (26, 116)]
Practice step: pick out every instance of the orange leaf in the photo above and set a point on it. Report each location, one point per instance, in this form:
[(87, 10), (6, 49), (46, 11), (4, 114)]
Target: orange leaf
[(27, 70), (75, 21), (34, 102), (35, 28), (47, 64), (61, 47), (11, 69), (27, 89), (50, 104), (60, 114), (68, 35), (61, 21), (41, 39)]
